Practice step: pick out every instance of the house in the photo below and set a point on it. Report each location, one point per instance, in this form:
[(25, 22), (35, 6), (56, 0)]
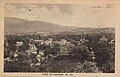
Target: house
[(63, 42), (64, 50), (112, 41), (40, 56), (56, 42), (32, 49), (103, 39), (19, 43), (49, 41), (37, 40)]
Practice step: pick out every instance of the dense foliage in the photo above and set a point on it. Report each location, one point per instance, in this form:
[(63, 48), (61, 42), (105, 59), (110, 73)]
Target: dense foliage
[(76, 57)]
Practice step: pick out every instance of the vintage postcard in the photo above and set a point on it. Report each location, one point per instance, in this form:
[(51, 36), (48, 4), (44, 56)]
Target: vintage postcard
[(59, 38)]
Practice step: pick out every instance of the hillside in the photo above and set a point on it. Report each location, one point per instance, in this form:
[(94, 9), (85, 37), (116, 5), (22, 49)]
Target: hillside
[(16, 25), (93, 30)]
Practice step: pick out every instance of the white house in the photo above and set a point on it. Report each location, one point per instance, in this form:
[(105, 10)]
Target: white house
[(63, 42), (19, 43), (103, 39)]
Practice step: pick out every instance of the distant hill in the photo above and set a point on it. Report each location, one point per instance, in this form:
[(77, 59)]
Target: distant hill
[(17, 25), (93, 30)]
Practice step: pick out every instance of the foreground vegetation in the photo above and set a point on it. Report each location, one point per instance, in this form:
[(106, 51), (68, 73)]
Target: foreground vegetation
[(90, 55)]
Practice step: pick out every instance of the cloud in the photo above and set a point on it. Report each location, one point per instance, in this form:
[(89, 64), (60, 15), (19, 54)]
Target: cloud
[(34, 13), (94, 17), (81, 15)]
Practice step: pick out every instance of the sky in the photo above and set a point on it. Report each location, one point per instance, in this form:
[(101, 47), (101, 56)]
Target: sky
[(64, 14)]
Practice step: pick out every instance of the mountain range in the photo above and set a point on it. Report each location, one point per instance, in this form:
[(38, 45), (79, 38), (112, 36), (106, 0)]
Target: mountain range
[(17, 25)]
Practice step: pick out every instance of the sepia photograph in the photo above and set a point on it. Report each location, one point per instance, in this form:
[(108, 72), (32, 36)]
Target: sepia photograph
[(59, 38)]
